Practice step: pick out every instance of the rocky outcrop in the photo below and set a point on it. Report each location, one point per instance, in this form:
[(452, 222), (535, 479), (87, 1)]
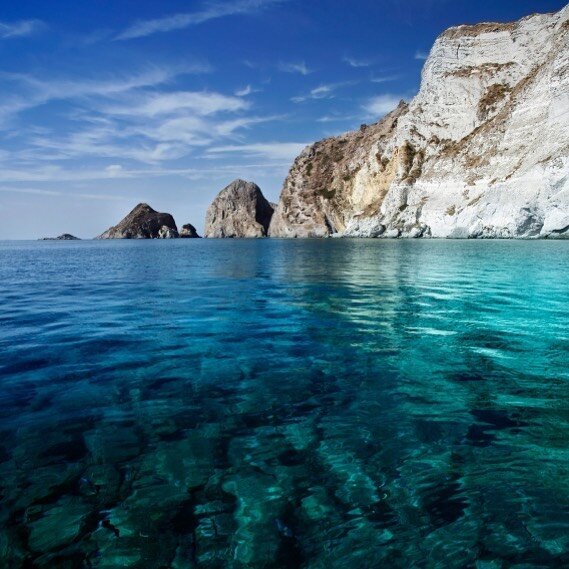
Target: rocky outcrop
[(143, 223), (239, 210), (63, 237), (189, 232), (481, 151), (166, 232)]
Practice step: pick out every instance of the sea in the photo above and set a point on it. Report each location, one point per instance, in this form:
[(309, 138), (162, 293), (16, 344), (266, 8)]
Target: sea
[(317, 404)]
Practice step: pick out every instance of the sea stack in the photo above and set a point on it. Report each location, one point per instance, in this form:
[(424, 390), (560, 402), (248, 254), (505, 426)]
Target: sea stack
[(239, 210), (188, 231), (143, 223)]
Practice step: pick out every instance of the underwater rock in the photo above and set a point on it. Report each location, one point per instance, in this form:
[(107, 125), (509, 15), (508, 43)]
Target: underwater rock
[(57, 525)]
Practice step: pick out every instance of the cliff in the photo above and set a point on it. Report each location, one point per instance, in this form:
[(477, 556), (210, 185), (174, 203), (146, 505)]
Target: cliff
[(143, 223), (481, 151), (239, 210)]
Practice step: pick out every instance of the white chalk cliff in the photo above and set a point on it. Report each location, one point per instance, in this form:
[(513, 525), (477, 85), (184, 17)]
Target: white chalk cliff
[(481, 151)]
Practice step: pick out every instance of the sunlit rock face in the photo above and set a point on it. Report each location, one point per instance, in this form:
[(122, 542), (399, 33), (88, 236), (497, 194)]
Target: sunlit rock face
[(143, 223), (239, 210), (481, 151), (166, 232)]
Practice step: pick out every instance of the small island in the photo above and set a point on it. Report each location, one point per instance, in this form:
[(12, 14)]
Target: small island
[(63, 237)]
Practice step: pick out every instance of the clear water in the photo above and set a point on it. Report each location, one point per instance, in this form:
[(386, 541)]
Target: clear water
[(267, 404)]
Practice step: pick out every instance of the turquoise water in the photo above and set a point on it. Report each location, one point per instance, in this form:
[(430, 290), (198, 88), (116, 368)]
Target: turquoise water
[(279, 404)]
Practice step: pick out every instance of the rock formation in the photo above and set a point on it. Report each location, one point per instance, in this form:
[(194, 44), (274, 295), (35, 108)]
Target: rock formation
[(63, 237), (239, 210), (481, 151), (166, 232), (143, 223), (189, 232)]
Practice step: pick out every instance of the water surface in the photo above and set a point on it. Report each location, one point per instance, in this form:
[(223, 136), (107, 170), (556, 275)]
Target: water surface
[(279, 404)]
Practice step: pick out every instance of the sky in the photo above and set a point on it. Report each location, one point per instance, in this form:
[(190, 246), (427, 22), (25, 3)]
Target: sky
[(110, 103)]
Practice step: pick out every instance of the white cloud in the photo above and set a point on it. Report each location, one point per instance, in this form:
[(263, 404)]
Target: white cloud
[(299, 67), (54, 193), (269, 150), (53, 174), (200, 103), (35, 91), (82, 144), (244, 92), (320, 92), (353, 62), (119, 119), (20, 29), (227, 128), (144, 126), (58, 174), (211, 11), (381, 105), (114, 170), (422, 55), (337, 118), (385, 79), (248, 90)]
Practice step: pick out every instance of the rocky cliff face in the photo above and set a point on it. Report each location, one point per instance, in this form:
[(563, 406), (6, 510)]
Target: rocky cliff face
[(239, 210), (143, 223), (481, 151)]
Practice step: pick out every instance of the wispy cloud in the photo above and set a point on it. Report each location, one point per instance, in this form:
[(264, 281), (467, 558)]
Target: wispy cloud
[(79, 175), (245, 91), (54, 193), (421, 55), (200, 103), (298, 67), (148, 141), (270, 150), (385, 78), (36, 91), (20, 29), (227, 128), (354, 62), (129, 119), (382, 104), (321, 92), (337, 118), (211, 11)]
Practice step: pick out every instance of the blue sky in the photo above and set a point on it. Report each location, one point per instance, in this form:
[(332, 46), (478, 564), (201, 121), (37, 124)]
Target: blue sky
[(105, 104)]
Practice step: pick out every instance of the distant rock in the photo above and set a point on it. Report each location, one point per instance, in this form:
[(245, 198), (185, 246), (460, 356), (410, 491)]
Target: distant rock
[(166, 232), (189, 232), (63, 237), (143, 223), (239, 210)]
